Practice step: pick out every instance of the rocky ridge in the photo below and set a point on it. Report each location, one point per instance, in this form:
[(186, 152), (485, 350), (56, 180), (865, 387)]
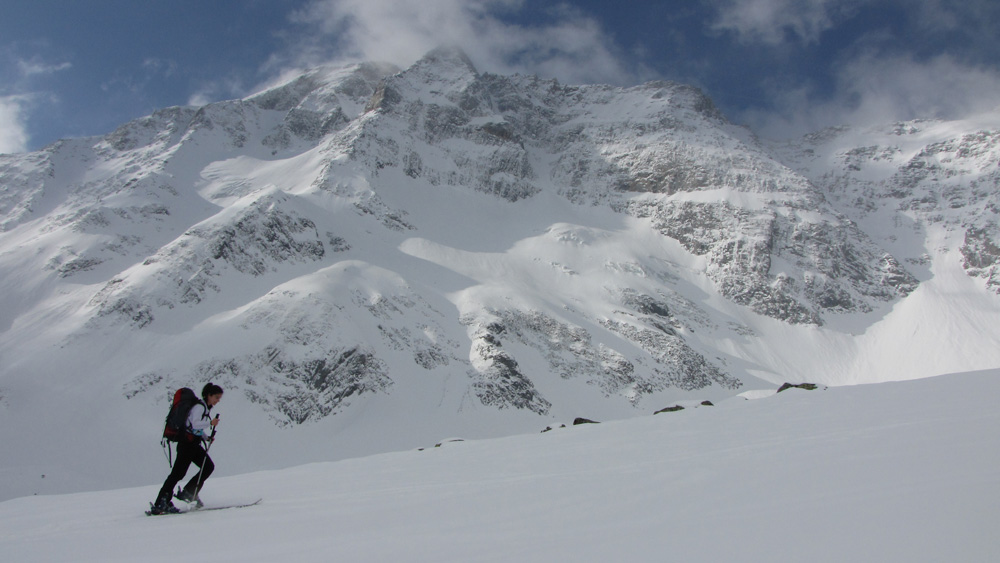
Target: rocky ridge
[(915, 175)]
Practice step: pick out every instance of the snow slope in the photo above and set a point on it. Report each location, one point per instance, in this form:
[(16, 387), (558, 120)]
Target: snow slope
[(900, 471)]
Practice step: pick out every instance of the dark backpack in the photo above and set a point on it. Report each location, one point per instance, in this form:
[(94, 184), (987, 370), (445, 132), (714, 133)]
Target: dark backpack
[(176, 427)]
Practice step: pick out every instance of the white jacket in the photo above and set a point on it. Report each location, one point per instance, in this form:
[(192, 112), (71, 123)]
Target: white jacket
[(198, 420)]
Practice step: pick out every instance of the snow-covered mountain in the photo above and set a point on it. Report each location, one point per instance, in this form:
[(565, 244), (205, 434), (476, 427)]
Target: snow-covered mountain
[(368, 258)]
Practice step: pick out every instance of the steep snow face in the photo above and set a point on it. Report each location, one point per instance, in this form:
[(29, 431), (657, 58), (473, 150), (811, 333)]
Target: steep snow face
[(660, 152), (368, 258)]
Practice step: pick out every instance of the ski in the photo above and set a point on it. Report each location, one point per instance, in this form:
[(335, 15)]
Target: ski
[(206, 508), (244, 505)]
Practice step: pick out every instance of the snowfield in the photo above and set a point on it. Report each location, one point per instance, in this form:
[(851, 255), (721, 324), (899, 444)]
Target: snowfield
[(903, 471)]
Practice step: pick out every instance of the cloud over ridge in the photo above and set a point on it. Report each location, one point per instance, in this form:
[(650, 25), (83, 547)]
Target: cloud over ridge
[(569, 46)]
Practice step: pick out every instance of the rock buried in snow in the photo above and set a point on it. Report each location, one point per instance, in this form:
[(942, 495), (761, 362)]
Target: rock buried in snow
[(584, 421), (674, 408), (806, 386), (448, 441), (443, 442)]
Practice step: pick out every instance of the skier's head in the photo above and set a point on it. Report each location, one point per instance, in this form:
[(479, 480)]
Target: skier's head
[(212, 394)]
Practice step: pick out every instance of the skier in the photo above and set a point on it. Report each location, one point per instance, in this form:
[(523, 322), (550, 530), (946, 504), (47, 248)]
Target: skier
[(190, 449)]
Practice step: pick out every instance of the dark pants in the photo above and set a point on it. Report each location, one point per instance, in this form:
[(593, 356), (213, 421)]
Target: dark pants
[(187, 453)]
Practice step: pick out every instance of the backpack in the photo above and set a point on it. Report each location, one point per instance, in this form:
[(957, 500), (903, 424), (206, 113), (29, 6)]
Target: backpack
[(176, 427)]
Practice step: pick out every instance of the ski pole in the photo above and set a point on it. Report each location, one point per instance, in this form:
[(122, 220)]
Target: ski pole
[(211, 439), (201, 470)]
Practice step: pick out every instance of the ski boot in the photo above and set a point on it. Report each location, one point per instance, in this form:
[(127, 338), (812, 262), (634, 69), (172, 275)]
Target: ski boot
[(188, 497), (162, 507)]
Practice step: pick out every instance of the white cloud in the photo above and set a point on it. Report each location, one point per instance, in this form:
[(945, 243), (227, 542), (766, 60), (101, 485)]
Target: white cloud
[(13, 133), (941, 87), (778, 22), (35, 67), (201, 98), (222, 88), (878, 90), (571, 47), (774, 21), (19, 96), (876, 77), (160, 66)]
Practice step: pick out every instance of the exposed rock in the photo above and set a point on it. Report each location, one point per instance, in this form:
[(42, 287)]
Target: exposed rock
[(982, 255), (297, 391), (498, 380), (806, 386)]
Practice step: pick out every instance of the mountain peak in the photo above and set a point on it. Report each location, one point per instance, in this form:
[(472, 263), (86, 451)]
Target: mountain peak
[(451, 56), (441, 72)]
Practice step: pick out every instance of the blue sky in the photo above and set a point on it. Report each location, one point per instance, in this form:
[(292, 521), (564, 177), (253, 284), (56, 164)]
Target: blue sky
[(71, 68)]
